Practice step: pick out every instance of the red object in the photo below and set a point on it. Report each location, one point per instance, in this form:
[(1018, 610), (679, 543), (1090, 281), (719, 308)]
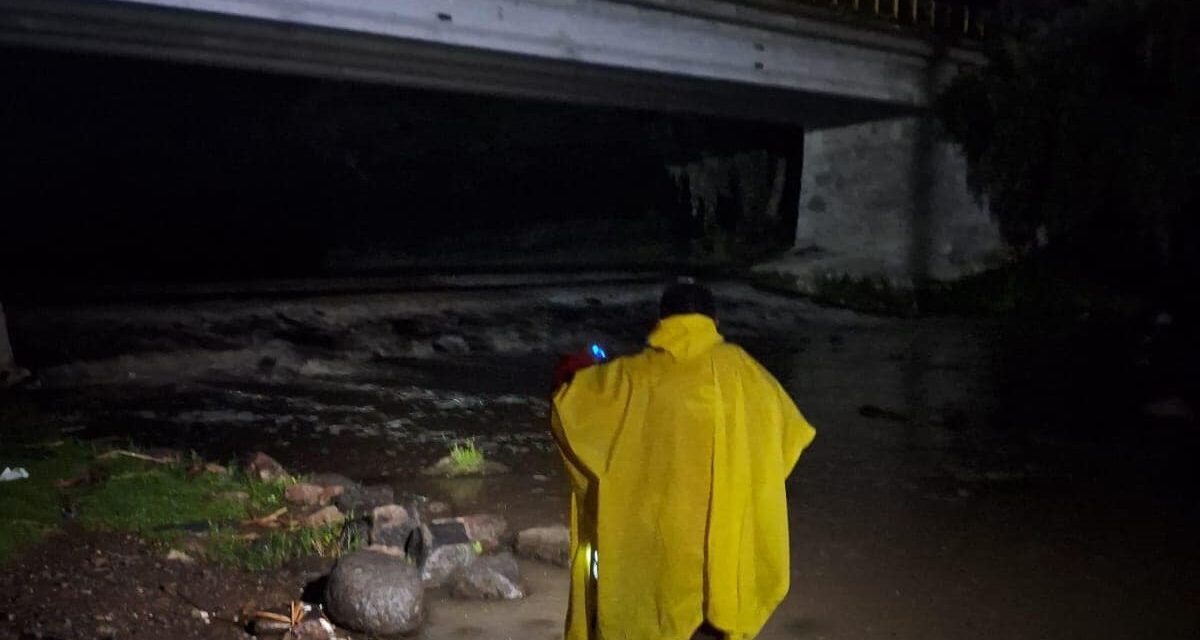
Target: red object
[(569, 364)]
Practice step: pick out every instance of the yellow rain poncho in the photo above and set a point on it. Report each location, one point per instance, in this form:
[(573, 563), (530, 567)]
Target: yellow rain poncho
[(677, 458)]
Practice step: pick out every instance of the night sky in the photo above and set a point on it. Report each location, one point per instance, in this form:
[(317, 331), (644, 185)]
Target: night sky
[(132, 171)]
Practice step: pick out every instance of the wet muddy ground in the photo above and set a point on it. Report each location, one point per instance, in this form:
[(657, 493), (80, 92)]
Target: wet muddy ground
[(967, 480)]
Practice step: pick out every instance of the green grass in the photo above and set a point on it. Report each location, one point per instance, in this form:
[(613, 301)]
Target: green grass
[(162, 503), (466, 458), (277, 547)]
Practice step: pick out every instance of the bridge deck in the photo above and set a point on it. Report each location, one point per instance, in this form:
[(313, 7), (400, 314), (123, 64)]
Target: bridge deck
[(649, 54)]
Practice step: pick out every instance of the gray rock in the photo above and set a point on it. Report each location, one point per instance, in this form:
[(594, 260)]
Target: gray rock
[(548, 544), (265, 468), (485, 528), (376, 594), (392, 526), (444, 561), (361, 500), (489, 578), (322, 517), (306, 494)]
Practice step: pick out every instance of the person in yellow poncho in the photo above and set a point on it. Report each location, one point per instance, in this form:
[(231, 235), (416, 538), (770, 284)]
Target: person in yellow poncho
[(677, 458)]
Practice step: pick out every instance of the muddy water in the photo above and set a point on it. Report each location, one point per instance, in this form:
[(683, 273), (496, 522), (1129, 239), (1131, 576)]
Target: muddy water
[(950, 523)]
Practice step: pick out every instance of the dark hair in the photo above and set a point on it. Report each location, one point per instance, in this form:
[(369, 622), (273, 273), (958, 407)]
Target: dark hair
[(685, 296)]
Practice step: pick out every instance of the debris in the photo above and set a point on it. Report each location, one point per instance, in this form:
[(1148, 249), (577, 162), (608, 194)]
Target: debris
[(395, 552), (549, 544), (269, 520), (376, 594), (133, 454), (179, 556), (311, 629), (16, 473), (202, 615)]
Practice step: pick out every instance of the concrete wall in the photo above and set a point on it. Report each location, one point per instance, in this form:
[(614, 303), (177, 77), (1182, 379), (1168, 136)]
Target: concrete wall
[(887, 199)]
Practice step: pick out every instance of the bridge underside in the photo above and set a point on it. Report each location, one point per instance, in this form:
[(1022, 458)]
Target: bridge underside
[(778, 78)]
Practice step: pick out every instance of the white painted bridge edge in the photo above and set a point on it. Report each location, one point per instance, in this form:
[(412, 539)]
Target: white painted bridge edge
[(648, 36)]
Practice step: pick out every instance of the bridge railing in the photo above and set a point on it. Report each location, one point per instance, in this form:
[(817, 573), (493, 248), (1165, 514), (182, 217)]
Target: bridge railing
[(950, 19)]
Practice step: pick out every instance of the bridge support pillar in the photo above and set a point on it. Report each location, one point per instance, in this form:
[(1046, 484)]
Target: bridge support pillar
[(10, 373), (885, 202)]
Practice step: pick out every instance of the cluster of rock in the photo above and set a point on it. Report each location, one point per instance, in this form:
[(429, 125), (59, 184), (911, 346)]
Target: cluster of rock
[(409, 548)]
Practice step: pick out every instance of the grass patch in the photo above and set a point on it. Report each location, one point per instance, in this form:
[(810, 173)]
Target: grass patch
[(466, 458), (277, 547), (163, 503)]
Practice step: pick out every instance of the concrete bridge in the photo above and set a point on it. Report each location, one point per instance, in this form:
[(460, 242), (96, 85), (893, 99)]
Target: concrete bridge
[(880, 196)]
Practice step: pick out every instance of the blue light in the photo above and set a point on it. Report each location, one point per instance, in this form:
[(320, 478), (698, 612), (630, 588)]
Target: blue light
[(598, 353)]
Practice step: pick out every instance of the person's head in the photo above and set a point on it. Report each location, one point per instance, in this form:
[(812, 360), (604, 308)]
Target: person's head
[(685, 296)]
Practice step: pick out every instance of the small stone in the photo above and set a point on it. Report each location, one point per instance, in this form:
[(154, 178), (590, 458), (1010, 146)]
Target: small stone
[(489, 578), (444, 561), (376, 594), (437, 508), (106, 632), (265, 468), (305, 494), (548, 544), (201, 615), (537, 477), (322, 517)]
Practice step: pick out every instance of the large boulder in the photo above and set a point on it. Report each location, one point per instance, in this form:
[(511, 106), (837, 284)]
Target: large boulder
[(376, 594), (548, 544), (444, 561), (489, 578)]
